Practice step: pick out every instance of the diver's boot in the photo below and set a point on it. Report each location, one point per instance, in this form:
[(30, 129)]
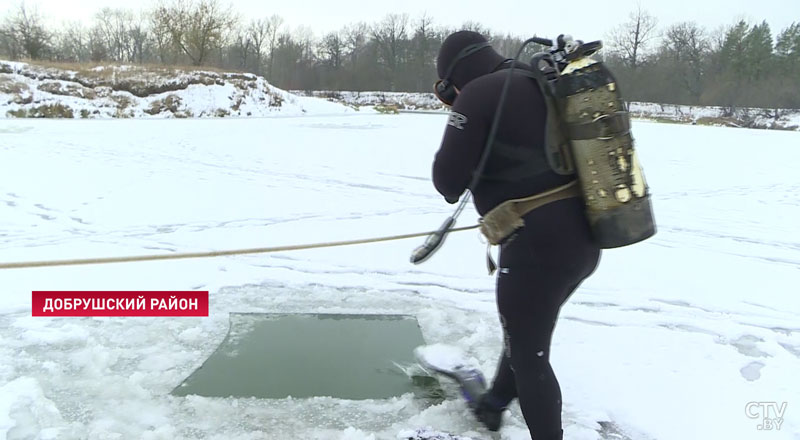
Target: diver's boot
[(488, 412)]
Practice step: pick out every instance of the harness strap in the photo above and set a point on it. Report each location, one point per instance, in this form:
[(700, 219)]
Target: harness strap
[(528, 204), (603, 127), (505, 218)]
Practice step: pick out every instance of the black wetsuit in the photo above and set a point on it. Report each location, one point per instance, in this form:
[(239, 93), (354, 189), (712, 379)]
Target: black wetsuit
[(544, 262)]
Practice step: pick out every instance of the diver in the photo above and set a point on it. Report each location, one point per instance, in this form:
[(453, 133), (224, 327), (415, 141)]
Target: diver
[(541, 263)]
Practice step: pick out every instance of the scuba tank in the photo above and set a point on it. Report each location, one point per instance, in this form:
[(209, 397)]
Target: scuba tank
[(588, 133)]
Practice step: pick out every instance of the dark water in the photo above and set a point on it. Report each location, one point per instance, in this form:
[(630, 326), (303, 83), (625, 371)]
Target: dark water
[(343, 356)]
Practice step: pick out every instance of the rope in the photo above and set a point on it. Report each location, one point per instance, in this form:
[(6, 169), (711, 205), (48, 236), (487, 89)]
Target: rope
[(211, 254)]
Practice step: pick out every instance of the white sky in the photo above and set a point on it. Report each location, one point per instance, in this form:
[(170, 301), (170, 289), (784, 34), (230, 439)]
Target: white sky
[(583, 19)]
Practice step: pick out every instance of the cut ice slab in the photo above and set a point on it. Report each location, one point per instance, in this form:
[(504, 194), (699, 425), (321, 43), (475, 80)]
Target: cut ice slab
[(308, 355)]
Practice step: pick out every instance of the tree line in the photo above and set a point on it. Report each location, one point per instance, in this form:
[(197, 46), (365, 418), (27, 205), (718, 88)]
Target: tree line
[(741, 65), (682, 63)]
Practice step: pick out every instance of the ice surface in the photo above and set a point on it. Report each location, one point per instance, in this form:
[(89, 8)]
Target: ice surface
[(670, 338)]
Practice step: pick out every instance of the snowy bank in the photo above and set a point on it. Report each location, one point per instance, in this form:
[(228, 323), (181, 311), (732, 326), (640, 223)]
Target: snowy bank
[(779, 119), (28, 90), (386, 101)]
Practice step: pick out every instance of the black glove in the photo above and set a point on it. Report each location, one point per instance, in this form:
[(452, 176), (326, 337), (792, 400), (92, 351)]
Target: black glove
[(451, 200)]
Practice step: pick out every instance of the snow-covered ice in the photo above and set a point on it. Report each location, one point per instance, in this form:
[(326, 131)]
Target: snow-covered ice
[(670, 339)]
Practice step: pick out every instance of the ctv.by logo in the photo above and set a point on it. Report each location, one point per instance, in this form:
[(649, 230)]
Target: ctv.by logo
[(765, 411)]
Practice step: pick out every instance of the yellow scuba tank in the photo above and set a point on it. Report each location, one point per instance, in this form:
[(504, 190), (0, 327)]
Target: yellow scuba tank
[(594, 121)]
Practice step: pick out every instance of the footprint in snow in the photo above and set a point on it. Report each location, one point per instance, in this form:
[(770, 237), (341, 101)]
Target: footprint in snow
[(747, 345), (752, 371)]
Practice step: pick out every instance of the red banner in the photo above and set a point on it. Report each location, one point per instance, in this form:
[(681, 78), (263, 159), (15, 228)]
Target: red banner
[(119, 303)]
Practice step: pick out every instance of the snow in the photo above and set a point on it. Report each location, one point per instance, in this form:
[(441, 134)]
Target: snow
[(443, 357), (411, 101), (669, 339), (784, 119), (195, 93)]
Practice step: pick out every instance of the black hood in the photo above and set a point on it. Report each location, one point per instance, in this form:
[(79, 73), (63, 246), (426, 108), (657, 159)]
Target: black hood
[(470, 67)]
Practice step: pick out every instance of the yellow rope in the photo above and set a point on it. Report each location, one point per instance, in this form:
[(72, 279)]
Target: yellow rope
[(209, 254)]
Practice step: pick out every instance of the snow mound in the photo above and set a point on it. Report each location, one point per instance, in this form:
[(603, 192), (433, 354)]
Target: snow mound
[(28, 90)]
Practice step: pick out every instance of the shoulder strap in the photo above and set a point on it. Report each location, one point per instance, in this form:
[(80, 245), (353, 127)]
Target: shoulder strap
[(557, 155)]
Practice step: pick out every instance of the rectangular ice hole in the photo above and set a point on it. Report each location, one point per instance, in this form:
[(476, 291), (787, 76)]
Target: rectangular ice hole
[(306, 355)]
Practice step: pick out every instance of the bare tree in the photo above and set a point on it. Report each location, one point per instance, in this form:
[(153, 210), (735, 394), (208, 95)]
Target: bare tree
[(423, 39), (275, 24), (686, 40), (304, 37), (355, 39), (425, 46), (630, 39), (73, 43), (243, 45), (160, 32), (27, 34), (474, 26), (8, 44), (139, 38), (258, 31), (97, 45), (687, 46), (114, 26), (197, 27), (390, 35), (332, 49), (287, 58)]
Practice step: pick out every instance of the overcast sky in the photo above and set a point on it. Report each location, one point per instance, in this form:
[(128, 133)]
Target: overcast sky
[(583, 19)]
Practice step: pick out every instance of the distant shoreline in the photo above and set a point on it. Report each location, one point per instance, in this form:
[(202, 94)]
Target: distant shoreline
[(125, 91)]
